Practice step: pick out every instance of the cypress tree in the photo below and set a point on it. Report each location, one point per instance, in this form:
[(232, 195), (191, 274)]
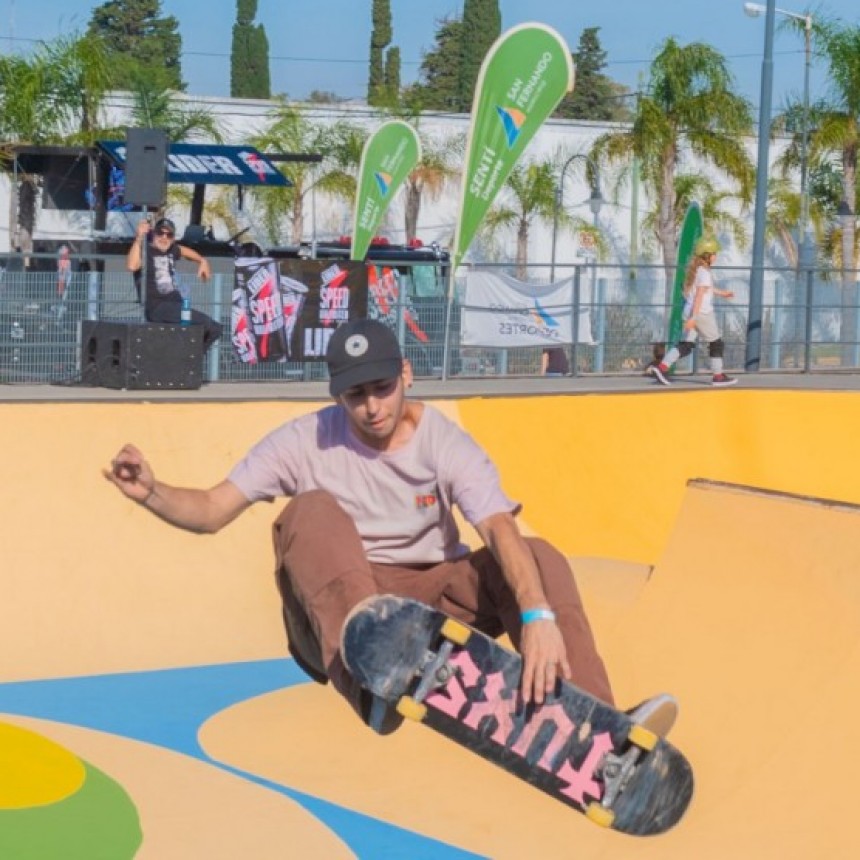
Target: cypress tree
[(249, 57), (595, 96), (482, 25), (380, 38), (392, 75)]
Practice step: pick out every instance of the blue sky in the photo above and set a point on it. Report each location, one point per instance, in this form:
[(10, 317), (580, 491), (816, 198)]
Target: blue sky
[(323, 44)]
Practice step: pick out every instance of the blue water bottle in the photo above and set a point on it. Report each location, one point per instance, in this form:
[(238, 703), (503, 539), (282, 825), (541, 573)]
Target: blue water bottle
[(185, 313)]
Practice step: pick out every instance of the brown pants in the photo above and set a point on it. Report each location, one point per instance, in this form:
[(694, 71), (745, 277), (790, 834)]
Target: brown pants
[(323, 572)]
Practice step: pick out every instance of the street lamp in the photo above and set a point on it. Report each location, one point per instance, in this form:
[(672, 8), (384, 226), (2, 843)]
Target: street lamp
[(595, 201), (753, 347), (805, 245)]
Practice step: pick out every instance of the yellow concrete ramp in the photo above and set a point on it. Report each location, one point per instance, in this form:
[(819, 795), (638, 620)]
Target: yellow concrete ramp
[(155, 659), (752, 617)]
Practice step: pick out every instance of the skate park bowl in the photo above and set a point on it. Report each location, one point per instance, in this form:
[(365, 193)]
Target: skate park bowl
[(148, 708)]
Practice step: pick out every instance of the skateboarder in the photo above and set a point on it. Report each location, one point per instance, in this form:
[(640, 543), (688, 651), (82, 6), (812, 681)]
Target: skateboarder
[(373, 480), (699, 317)]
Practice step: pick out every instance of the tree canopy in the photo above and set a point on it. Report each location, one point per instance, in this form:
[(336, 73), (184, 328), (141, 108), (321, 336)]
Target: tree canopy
[(689, 110), (595, 96), (439, 75), (138, 38), (449, 71)]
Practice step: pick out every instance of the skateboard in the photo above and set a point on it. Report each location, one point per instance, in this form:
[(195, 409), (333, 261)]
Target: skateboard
[(465, 685)]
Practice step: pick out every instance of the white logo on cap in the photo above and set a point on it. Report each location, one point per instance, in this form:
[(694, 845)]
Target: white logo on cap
[(357, 345)]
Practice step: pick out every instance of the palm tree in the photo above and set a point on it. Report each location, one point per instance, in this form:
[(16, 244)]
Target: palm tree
[(82, 79), (530, 195), (688, 108), (52, 97), (289, 131), (783, 216), (156, 107), (838, 132), (439, 163), (695, 187)]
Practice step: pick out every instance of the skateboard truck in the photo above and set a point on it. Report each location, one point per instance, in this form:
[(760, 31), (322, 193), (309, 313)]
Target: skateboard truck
[(435, 670), (617, 770)]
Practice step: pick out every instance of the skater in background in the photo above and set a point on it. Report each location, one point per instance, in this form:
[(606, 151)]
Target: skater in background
[(699, 317)]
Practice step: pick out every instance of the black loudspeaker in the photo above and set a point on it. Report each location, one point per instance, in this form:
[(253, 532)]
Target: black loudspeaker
[(145, 166), (154, 356)]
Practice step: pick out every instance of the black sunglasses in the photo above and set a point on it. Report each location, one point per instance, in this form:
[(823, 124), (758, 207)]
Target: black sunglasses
[(169, 233)]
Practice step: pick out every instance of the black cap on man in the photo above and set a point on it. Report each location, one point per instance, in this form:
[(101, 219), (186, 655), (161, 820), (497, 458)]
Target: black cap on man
[(362, 351)]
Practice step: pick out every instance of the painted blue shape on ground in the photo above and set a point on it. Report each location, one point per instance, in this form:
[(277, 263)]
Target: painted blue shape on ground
[(167, 707), (164, 707)]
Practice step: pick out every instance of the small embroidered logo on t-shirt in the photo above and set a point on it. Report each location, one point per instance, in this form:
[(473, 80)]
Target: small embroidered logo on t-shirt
[(425, 501)]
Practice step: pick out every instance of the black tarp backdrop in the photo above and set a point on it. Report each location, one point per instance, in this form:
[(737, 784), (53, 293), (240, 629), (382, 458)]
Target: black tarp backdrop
[(286, 310)]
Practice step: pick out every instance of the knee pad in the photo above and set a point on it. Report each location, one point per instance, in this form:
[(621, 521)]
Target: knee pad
[(685, 347), (716, 348)]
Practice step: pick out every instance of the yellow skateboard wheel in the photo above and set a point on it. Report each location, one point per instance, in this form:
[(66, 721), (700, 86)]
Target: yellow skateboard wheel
[(643, 738), (600, 815), (412, 710), (455, 631)]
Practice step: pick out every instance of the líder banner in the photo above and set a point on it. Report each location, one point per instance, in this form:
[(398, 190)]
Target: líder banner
[(390, 154), (209, 164), (524, 76)]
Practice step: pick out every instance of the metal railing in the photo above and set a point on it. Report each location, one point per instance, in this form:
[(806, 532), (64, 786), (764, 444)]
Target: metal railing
[(810, 323)]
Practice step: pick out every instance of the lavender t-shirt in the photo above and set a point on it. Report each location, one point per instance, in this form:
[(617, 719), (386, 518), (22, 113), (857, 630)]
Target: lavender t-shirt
[(401, 501)]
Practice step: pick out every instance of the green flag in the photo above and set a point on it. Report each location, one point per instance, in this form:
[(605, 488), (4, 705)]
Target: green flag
[(389, 156), (524, 76)]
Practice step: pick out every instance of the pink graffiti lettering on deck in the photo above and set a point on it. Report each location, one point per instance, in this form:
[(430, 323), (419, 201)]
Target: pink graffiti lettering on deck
[(581, 782), (495, 706), (555, 715), (452, 697)]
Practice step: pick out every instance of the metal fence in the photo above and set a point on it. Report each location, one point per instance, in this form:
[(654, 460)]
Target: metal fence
[(810, 322)]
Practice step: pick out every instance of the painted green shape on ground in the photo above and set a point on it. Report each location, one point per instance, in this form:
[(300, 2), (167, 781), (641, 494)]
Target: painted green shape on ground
[(99, 822), (691, 230)]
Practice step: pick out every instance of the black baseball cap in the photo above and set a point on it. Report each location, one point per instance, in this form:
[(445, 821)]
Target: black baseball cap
[(362, 351), (165, 224)]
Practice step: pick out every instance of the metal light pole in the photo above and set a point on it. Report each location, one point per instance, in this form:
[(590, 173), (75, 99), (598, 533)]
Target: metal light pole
[(805, 247), (596, 200), (753, 347)]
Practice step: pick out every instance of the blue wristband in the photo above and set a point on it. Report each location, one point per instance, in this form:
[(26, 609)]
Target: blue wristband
[(537, 615)]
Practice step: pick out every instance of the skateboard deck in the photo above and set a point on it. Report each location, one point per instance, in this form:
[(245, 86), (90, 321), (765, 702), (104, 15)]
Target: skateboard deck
[(465, 685)]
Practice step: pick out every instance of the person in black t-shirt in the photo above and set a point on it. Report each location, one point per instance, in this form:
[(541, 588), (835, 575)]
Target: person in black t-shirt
[(162, 299)]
